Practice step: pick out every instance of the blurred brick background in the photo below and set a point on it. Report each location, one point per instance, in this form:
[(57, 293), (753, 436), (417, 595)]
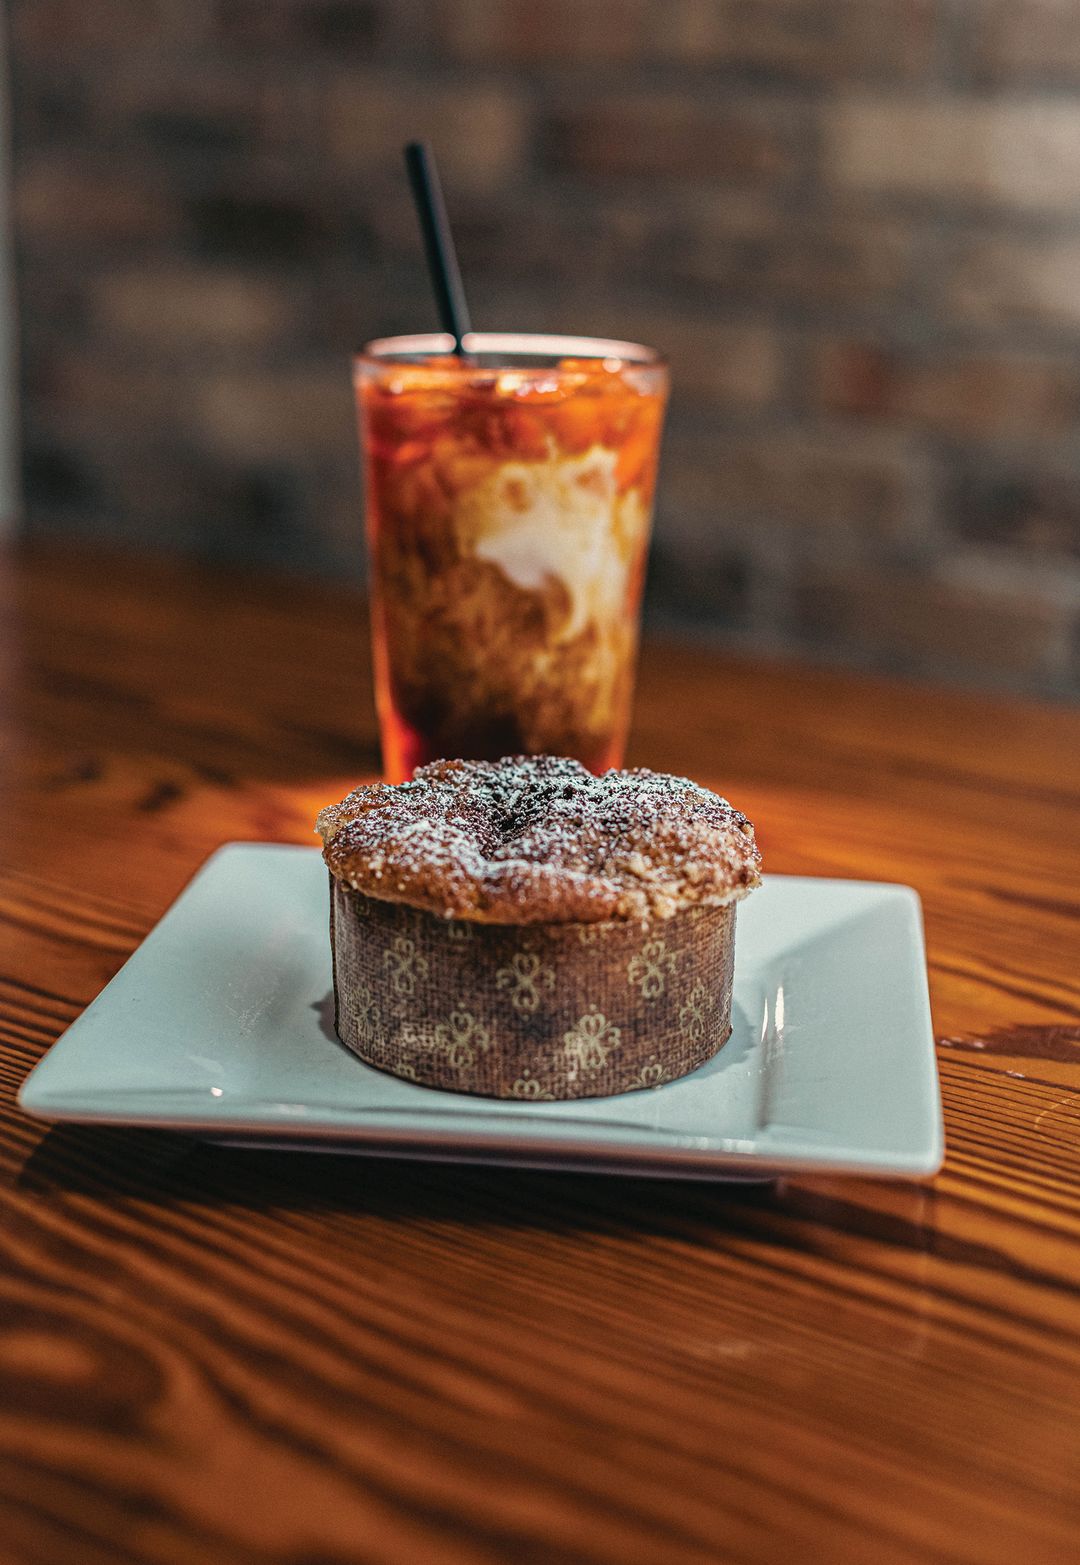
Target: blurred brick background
[(854, 225)]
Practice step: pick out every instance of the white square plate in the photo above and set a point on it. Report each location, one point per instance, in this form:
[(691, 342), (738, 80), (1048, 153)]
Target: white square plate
[(221, 1024)]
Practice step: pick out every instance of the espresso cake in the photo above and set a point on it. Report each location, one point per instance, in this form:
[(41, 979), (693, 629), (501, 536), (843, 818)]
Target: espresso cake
[(523, 929)]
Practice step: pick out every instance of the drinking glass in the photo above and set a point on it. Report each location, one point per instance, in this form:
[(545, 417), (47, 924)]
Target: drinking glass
[(509, 504)]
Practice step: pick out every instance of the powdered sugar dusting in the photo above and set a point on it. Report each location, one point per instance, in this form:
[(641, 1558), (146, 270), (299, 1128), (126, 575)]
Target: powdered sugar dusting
[(538, 839)]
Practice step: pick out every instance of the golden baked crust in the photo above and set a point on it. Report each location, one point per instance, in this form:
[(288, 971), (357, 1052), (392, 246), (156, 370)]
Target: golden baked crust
[(539, 840)]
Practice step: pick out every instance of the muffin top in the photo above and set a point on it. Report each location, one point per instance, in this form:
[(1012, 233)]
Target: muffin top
[(539, 840)]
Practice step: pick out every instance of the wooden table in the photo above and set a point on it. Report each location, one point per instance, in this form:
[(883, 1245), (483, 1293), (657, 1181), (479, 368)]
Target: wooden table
[(213, 1356)]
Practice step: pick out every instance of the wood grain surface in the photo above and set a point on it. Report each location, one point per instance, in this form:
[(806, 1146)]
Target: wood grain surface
[(271, 1359)]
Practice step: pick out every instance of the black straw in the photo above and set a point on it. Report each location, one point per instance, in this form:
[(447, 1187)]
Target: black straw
[(438, 242)]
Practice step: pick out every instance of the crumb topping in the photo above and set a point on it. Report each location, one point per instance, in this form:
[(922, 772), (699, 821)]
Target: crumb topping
[(540, 840)]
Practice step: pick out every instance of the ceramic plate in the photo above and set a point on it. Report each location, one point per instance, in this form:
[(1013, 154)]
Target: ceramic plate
[(221, 1024)]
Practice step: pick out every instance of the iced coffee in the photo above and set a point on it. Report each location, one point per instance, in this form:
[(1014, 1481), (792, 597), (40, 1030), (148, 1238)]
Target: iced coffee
[(509, 500)]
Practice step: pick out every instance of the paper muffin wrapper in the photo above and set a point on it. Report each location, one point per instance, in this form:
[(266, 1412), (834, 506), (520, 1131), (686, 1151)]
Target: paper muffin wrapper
[(541, 1012)]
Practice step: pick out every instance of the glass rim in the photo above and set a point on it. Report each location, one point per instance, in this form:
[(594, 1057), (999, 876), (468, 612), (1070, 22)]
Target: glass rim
[(408, 348)]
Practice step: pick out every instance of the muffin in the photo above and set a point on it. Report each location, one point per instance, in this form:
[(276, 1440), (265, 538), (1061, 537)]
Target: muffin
[(523, 929)]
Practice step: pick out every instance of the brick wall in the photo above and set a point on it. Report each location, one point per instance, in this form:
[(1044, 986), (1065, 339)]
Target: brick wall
[(853, 224)]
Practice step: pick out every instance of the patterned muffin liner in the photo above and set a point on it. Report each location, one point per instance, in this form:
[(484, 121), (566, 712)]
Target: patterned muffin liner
[(541, 1012)]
